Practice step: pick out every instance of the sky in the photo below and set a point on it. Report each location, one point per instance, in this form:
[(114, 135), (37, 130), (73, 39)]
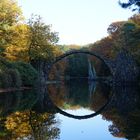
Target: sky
[(77, 21), (88, 129)]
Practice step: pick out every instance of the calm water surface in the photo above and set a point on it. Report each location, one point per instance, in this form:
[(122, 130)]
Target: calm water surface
[(94, 128), (32, 114)]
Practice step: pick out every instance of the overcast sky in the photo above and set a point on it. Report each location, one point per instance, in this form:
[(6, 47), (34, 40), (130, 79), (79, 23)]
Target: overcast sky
[(77, 21)]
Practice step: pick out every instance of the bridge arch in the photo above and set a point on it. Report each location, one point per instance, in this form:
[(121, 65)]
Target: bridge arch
[(100, 57), (104, 60)]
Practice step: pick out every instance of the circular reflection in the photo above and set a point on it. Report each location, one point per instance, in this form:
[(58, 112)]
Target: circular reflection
[(71, 88), (69, 102)]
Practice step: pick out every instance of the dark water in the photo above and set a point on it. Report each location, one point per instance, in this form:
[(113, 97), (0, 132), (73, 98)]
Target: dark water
[(63, 111)]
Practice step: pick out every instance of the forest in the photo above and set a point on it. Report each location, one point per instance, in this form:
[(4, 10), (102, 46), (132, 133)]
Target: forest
[(27, 47)]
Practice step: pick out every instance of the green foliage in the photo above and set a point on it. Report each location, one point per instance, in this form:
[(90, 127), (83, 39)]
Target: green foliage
[(3, 80), (65, 48), (27, 72), (128, 38), (23, 42), (42, 39), (9, 77), (77, 66), (78, 93), (15, 77), (15, 74)]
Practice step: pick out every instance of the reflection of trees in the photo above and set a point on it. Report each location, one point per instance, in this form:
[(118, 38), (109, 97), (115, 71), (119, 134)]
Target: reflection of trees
[(29, 124), (73, 94), (128, 127), (44, 127), (18, 122), (14, 101), (124, 112), (100, 96), (57, 93), (78, 93)]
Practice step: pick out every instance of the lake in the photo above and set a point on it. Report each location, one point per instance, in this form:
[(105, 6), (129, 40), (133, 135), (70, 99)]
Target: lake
[(71, 110)]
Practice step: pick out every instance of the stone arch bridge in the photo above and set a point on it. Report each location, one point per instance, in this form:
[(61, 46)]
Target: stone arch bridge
[(106, 61), (123, 68)]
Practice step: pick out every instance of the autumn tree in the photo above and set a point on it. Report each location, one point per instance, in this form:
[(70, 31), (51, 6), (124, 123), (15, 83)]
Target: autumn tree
[(136, 19), (17, 49), (122, 35), (117, 33), (22, 41), (10, 17), (125, 35), (104, 48)]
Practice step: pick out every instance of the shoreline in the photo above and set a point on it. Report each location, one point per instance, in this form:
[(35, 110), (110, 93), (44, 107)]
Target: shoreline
[(4, 90)]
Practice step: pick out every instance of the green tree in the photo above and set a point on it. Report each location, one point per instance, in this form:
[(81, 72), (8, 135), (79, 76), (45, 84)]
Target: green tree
[(42, 40), (125, 35), (77, 66)]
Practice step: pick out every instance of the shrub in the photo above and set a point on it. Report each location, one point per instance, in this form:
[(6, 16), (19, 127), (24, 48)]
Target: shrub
[(15, 78), (15, 74), (3, 80), (27, 72), (10, 78)]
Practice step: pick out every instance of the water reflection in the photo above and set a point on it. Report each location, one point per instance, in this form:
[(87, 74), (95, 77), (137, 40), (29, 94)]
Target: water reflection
[(20, 120), (31, 114), (124, 112), (73, 94), (77, 94)]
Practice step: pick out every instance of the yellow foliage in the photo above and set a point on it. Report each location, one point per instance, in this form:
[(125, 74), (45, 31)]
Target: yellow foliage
[(18, 50), (21, 124), (10, 12)]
